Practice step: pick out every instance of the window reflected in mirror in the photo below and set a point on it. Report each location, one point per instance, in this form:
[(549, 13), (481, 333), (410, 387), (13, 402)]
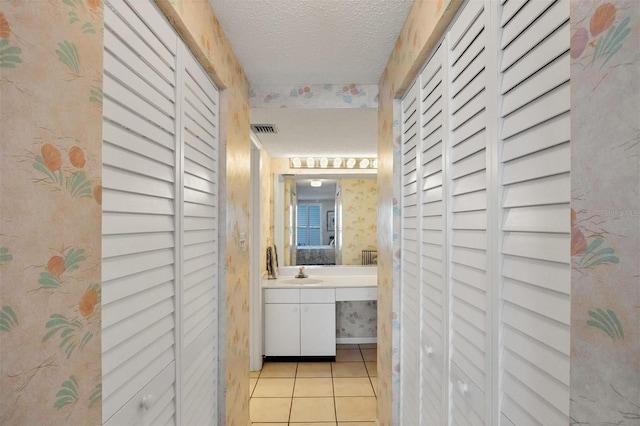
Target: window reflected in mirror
[(333, 222)]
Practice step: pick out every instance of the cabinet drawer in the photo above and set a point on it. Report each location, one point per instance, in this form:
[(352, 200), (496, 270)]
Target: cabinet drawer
[(282, 295), (317, 295), (356, 293)]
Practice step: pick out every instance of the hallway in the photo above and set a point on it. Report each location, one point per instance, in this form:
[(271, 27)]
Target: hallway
[(317, 393)]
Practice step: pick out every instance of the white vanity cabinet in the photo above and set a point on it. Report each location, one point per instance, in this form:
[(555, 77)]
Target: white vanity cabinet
[(300, 322), (282, 322)]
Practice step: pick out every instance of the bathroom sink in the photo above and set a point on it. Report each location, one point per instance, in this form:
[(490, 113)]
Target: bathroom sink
[(302, 281)]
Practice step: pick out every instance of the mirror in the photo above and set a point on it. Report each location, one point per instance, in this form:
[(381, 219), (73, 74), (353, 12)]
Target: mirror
[(333, 224)]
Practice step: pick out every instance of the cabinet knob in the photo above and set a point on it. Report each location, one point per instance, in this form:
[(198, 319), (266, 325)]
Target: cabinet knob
[(147, 402), (428, 350), (463, 388)]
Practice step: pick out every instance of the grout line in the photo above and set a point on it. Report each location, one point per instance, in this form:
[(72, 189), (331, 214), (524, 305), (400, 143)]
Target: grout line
[(333, 392), (295, 377)]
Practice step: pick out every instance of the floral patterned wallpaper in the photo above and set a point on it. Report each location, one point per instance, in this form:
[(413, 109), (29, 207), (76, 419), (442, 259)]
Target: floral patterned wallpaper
[(356, 318), (359, 219), (605, 215), (315, 96), (424, 26), (50, 216)]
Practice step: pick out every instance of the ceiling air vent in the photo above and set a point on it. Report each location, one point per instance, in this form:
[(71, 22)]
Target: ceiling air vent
[(264, 128)]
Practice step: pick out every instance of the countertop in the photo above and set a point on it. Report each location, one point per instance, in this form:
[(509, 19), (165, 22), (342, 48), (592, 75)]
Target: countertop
[(333, 281)]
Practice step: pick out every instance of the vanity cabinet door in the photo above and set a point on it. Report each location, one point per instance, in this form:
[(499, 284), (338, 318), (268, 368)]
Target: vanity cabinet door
[(318, 329), (282, 329)]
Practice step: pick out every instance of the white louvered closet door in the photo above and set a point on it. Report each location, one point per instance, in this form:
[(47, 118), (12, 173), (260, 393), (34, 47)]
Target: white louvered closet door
[(434, 306), (534, 139), (469, 268), (200, 240), (138, 203), (493, 235), (410, 276), (160, 255)]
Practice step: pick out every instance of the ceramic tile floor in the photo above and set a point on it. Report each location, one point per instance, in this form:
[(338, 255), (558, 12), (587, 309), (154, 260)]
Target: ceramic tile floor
[(340, 393)]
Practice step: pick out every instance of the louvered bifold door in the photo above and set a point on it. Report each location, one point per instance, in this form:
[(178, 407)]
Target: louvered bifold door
[(138, 204), (467, 205), (410, 279), (534, 138), (433, 323), (200, 240)]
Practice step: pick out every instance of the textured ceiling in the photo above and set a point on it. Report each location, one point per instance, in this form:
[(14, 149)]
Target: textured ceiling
[(312, 41), (294, 42)]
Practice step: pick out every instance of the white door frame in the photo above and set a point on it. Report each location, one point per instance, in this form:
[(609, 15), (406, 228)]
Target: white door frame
[(255, 256)]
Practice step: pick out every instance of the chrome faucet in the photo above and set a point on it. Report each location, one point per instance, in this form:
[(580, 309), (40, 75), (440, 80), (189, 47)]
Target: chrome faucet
[(301, 273)]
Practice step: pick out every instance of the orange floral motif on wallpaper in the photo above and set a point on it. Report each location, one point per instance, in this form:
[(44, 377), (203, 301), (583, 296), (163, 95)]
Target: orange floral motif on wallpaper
[(71, 179), (75, 332), (58, 265), (603, 35), (589, 252), (9, 55)]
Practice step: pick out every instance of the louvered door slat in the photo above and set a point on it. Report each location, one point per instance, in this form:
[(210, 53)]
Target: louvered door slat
[(130, 119), (156, 56), (509, 9), (126, 53), (120, 72), (548, 49), (546, 190), (553, 18), (137, 103), (152, 27), (538, 111), (543, 81), (120, 158), (468, 260), (535, 228), (125, 181), (529, 13), (552, 161), (138, 203)]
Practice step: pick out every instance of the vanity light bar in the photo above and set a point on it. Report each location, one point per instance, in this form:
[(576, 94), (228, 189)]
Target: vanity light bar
[(333, 163)]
